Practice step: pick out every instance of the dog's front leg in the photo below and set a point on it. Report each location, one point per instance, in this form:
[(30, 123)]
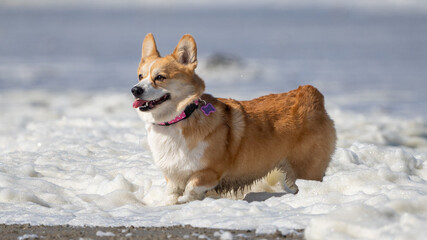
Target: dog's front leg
[(199, 183), (173, 191)]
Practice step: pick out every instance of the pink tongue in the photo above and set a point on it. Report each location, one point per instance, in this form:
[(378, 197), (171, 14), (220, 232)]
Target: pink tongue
[(138, 103)]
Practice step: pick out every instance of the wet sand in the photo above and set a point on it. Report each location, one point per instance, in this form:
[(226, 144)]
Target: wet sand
[(26, 231)]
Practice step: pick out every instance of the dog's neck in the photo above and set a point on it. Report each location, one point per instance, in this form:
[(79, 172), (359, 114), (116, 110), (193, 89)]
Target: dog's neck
[(185, 114), (206, 108)]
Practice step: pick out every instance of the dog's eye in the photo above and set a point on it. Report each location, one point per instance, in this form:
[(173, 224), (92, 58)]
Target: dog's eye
[(159, 78), (140, 77)]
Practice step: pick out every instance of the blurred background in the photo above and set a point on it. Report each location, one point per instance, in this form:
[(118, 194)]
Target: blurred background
[(365, 56)]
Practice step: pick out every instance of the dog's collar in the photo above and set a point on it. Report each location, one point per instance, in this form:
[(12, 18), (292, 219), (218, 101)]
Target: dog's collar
[(207, 109), (185, 114)]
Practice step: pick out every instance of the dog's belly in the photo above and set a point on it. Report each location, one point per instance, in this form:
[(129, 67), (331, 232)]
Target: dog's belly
[(172, 155)]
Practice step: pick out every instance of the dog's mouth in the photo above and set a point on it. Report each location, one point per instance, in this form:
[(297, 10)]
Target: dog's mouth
[(145, 105)]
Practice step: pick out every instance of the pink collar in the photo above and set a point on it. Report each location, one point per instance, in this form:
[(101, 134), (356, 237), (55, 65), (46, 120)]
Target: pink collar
[(185, 114), (207, 109)]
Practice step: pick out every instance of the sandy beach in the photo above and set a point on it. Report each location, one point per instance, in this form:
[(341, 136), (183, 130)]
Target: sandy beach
[(25, 231)]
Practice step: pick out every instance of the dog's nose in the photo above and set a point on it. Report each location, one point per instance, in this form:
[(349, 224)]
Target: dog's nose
[(136, 91)]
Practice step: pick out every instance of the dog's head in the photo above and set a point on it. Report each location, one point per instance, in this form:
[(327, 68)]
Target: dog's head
[(166, 84)]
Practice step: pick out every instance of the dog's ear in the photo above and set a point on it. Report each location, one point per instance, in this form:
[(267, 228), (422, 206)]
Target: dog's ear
[(149, 47), (186, 51)]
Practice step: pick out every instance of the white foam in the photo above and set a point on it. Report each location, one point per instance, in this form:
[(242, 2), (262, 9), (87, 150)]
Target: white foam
[(28, 236), (224, 235), (88, 164), (105, 234)]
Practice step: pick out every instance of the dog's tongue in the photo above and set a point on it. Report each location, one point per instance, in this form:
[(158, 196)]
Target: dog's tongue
[(138, 103)]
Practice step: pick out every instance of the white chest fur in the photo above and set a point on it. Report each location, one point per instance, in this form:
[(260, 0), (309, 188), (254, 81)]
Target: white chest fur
[(171, 153)]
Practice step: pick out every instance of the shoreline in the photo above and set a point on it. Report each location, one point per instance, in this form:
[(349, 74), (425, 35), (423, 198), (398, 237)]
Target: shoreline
[(27, 231)]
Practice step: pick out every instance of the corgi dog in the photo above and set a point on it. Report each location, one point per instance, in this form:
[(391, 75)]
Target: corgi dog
[(204, 143)]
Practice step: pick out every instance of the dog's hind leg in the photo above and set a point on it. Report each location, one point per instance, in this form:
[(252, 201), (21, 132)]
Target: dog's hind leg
[(199, 183), (289, 180)]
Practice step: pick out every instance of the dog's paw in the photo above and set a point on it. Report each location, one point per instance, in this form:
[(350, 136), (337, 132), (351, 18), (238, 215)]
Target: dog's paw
[(291, 188), (170, 200), (184, 199), (189, 197), (192, 193)]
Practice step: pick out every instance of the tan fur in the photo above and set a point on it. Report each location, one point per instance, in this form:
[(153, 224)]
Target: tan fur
[(248, 139)]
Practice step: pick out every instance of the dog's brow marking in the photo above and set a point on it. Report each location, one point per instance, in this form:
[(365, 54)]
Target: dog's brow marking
[(149, 68)]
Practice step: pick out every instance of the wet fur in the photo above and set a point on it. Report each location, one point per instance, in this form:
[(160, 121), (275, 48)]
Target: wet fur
[(242, 141)]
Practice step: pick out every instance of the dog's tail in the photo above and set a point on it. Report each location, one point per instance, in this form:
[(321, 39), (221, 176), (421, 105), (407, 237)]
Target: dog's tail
[(309, 102)]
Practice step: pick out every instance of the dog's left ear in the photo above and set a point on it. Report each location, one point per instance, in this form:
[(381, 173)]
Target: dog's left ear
[(186, 51), (149, 47)]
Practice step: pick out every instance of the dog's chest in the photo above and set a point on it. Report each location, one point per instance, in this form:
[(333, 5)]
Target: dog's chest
[(171, 153)]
